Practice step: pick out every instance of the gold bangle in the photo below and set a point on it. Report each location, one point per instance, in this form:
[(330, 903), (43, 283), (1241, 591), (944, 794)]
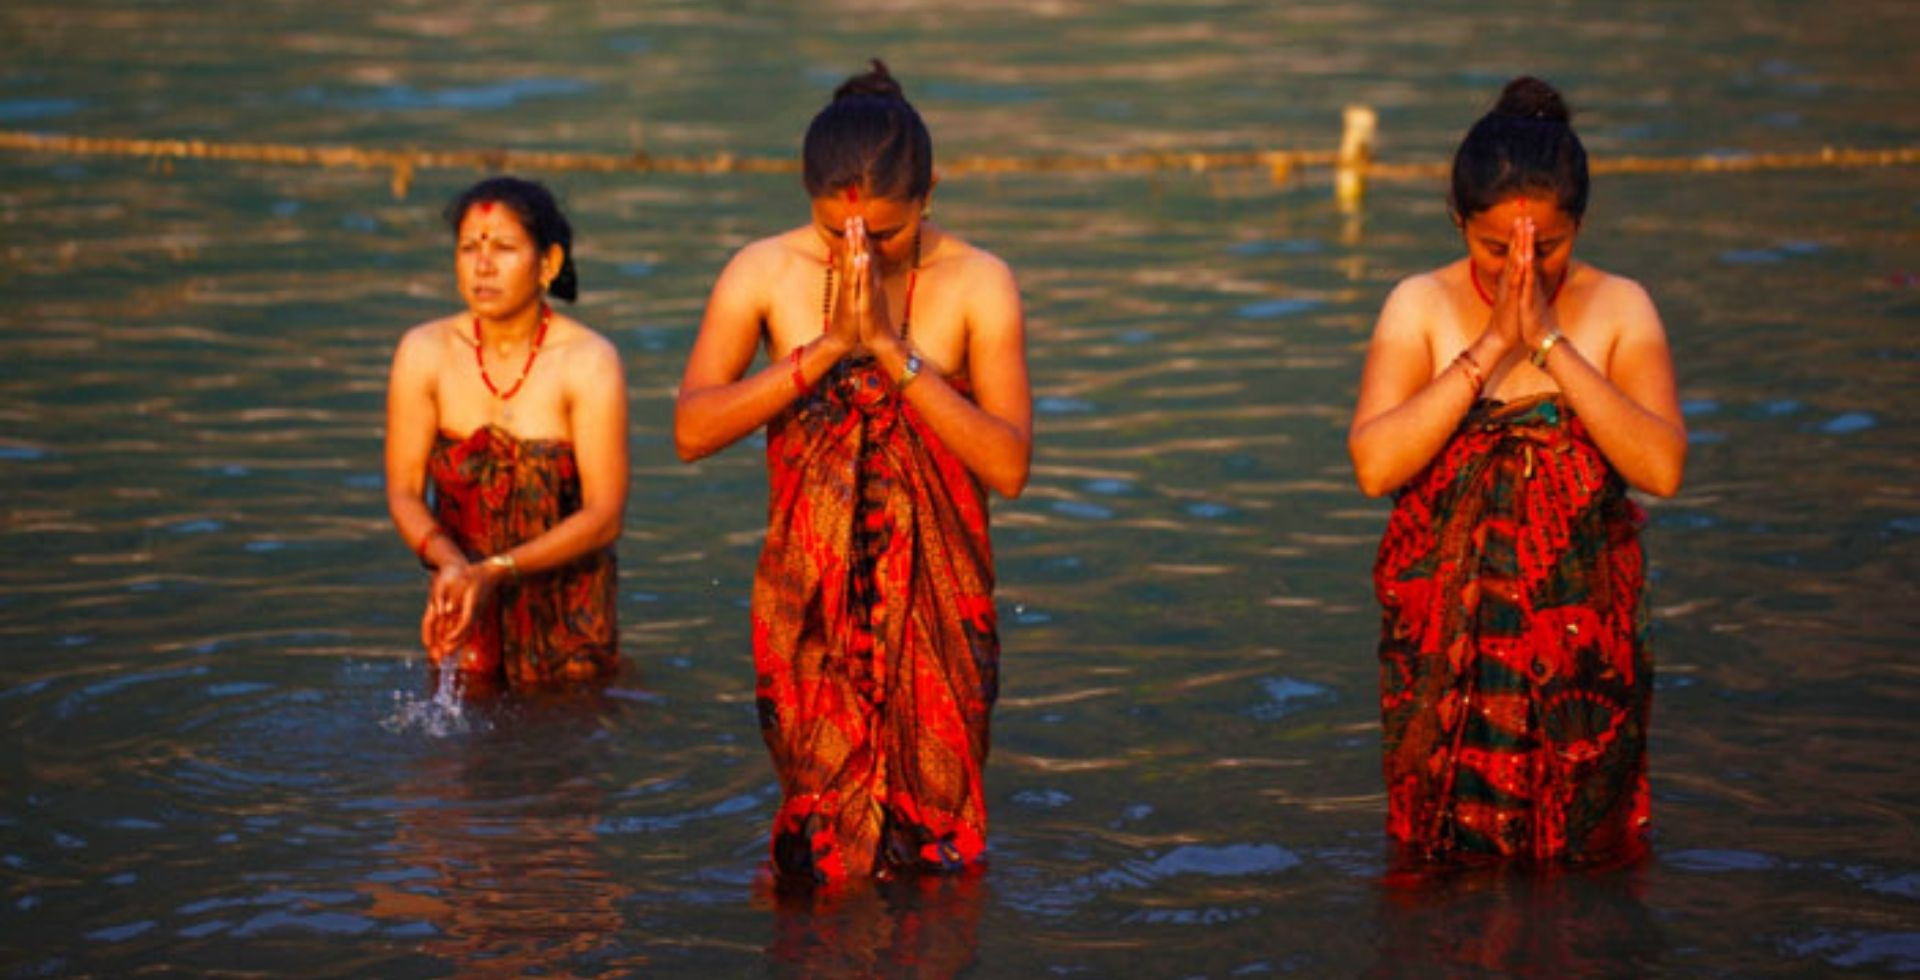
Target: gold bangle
[(504, 560), (1539, 355)]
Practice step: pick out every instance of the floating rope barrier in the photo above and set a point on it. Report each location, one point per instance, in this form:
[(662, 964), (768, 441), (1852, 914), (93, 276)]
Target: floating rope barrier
[(1353, 162)]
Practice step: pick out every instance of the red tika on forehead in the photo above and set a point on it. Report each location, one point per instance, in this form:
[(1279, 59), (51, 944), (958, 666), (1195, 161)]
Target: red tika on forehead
[(486, 207), (853, 194)]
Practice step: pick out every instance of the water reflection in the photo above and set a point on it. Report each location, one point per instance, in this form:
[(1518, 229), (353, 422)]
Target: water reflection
[(1517, 923), (925, 926), (495, 859)]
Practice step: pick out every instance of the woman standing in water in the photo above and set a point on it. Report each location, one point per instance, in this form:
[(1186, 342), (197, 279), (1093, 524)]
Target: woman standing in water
[(896, 388), (516, 419), (1509, 399)]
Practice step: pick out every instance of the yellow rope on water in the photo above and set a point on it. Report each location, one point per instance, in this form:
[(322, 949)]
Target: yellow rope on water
[(403, 164)]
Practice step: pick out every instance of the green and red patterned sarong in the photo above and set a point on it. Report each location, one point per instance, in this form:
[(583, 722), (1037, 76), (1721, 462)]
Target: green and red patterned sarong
[(492, 491), (1515, 679), (874, 637)]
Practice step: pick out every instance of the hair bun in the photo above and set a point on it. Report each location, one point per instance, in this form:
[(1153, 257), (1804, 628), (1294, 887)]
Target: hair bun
[(877, 81), (1530, 98)]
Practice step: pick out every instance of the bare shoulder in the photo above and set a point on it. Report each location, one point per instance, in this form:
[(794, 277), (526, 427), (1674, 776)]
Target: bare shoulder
[(1616, 291), (1418, 289), (975, 266), (1413, 305), (1622, 303), (767, 257), (584, 349), (752, 277), (425, 343)]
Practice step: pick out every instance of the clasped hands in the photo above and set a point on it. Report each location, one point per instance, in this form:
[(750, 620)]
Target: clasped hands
[(1523, 317), (860, 318), (459, 590)]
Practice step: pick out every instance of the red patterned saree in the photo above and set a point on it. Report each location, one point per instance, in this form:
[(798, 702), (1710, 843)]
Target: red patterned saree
[(1515, 679), (492, 491), (874, 636)]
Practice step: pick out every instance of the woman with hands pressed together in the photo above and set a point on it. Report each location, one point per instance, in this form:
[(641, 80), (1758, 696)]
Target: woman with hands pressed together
[(895, 396), (1508, 401), (507, 455)]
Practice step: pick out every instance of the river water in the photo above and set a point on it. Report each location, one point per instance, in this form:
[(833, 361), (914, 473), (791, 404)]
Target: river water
[(220, 752)]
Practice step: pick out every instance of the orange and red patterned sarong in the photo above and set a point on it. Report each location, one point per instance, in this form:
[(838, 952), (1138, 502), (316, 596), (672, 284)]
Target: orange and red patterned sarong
[(491, 491), (874, 637), (1515, 679)]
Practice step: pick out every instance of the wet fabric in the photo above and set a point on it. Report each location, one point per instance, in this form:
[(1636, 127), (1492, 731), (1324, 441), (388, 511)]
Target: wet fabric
[(874, 636), (1515, 679), (490, 492)]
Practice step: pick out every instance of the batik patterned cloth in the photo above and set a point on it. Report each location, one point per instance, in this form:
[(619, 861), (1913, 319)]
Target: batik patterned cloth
[(1515, 679), (490, 492), (874, 636)]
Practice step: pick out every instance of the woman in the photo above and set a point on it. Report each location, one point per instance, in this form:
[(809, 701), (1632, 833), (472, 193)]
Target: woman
[(896, 387), (1508, 400), (516, 418)]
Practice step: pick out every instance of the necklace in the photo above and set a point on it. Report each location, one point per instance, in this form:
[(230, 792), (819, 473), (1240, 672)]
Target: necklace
[(533, 351), (1473, 273), (913, 277)]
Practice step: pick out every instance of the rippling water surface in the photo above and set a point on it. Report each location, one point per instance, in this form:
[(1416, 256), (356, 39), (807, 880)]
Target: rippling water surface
[(220, 749)]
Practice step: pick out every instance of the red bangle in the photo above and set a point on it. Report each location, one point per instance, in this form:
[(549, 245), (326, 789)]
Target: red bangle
[(799, 376), (420, 550)]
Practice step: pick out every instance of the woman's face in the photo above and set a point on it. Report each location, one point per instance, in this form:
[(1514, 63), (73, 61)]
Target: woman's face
[(1489, 233), (891, 223), (500, 269)]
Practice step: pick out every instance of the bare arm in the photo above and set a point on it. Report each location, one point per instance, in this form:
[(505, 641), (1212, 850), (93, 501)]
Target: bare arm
[(1406, 412), (717, 405), (992, 433), (413, 421), (597, 427), (1633, 410)]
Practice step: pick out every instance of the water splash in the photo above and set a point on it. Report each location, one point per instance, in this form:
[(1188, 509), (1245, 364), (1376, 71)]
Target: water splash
[(443, 715)]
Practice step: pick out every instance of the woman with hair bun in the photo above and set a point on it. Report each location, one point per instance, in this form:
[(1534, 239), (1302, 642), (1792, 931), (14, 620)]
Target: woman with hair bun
[(894, 396), (1509, 399), (507, 455)]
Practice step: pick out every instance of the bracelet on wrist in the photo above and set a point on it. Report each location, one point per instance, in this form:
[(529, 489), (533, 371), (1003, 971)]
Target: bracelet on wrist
[(909, 371), (1539, 354), (1470, 368), (505, 561), (420, 548), (800, 384)]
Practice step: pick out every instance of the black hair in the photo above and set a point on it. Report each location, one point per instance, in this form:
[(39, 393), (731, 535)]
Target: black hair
[(539, 214), (870, 136), (1525, 143)]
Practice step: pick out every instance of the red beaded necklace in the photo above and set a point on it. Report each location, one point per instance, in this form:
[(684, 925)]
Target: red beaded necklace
[(1473, 273), (533, 351)]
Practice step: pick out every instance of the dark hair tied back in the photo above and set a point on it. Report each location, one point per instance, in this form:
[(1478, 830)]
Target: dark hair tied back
[(875, 81), (537, 212), (870, 136), (1524, 145), (1531, 98)]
